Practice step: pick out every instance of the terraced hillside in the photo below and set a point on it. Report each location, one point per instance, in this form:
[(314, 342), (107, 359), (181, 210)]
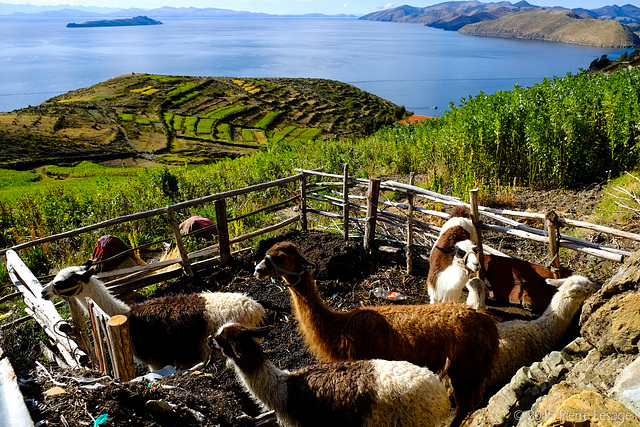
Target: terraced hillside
[(177, 118)]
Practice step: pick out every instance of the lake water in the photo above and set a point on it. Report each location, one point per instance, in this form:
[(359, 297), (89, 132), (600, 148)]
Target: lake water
[(409, 64)]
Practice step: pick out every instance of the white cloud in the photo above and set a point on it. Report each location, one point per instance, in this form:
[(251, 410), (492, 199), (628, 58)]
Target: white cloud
[(386, 6), (345, 5)]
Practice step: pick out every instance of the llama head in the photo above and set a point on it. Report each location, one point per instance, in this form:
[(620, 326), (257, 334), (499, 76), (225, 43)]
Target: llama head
[(465, 255), (69, 282), (239, 343), (477, 292), (575, 287), (283, 260)]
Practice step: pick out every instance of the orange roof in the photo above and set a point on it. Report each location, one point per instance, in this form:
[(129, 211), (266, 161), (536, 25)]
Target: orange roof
[(415, 119)]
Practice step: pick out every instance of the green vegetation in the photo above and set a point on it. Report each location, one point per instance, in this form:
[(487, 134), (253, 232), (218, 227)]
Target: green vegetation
[(266, 120), (620, 202), (224, 112), (11, 178), (205, 125), (190, 123), (279, 136), (224, 132), (247, 135), (181, 90), (85, 169), (565, 132)]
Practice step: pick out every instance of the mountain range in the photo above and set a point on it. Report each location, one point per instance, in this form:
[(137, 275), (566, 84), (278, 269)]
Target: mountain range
[(159, 13)]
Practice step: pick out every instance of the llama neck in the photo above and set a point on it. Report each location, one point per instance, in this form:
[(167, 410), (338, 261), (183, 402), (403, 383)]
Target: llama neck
[(449, 284), (313, 314), (558, 316), (98, 292), (476, 297), (266, 383)]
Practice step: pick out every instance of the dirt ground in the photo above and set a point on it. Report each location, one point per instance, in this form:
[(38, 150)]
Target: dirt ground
[(210, 395)]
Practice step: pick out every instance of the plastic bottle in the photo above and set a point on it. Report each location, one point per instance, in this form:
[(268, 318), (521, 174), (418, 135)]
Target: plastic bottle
[(390, 295)]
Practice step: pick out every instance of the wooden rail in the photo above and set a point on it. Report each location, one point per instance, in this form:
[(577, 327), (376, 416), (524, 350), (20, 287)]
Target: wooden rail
[(554, 239)]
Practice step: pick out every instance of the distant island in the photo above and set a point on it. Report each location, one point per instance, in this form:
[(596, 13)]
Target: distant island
[(138, 20)]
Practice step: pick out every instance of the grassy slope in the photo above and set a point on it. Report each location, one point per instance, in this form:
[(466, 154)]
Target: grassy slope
[(180, 119)]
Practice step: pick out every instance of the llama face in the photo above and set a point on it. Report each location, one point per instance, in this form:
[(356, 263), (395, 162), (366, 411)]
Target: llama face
[(67, 283), (283, 258), (578, 287), (465, 255)]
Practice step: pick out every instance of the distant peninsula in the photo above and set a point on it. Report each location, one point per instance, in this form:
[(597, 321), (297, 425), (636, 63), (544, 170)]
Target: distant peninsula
[(609, 26), (557, 25), (138, 20)]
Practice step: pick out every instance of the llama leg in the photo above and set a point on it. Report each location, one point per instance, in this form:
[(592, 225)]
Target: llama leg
[(467, 391), (463, 397)]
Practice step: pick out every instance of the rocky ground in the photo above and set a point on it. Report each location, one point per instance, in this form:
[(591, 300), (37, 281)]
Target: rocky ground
[(209, 395)]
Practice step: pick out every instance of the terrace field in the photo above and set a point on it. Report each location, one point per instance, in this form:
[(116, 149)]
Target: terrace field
[(177, 119)]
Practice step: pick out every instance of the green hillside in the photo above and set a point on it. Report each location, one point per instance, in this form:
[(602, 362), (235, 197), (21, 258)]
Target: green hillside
[(177, 119)]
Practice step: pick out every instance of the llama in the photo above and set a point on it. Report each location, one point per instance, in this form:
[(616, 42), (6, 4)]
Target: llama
[(426, 335), (349, 393), (453, 259), (516, 281), (524, 342), (477, 293), (171, 330)]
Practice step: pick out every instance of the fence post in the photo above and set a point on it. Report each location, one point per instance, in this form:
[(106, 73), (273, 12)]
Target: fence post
[(98, 336), (121, 350), (475, 217), (552, 228), (412, 180), (44, 312), (303, 202), (373, 193), (223, 231), (184, 256), (345, 201), (81, 332)]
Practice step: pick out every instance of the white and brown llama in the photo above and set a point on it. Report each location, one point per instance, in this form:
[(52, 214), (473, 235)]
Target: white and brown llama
[(366, 393), (430, 335), (453, 260), (170, 330)]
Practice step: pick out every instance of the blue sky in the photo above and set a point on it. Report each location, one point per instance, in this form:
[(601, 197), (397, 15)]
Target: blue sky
[(356, 7)]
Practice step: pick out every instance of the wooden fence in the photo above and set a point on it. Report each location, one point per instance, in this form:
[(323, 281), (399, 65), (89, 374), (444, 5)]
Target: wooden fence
[(354, 206)]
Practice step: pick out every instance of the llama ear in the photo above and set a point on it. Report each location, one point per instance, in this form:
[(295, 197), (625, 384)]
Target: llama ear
[(305, 261), (236, 348), (555, 282), (260, 332), (447, 251), (309, 263), (86, 275)]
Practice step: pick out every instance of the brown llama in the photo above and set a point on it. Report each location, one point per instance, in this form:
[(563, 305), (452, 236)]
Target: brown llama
[(427, 335)]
